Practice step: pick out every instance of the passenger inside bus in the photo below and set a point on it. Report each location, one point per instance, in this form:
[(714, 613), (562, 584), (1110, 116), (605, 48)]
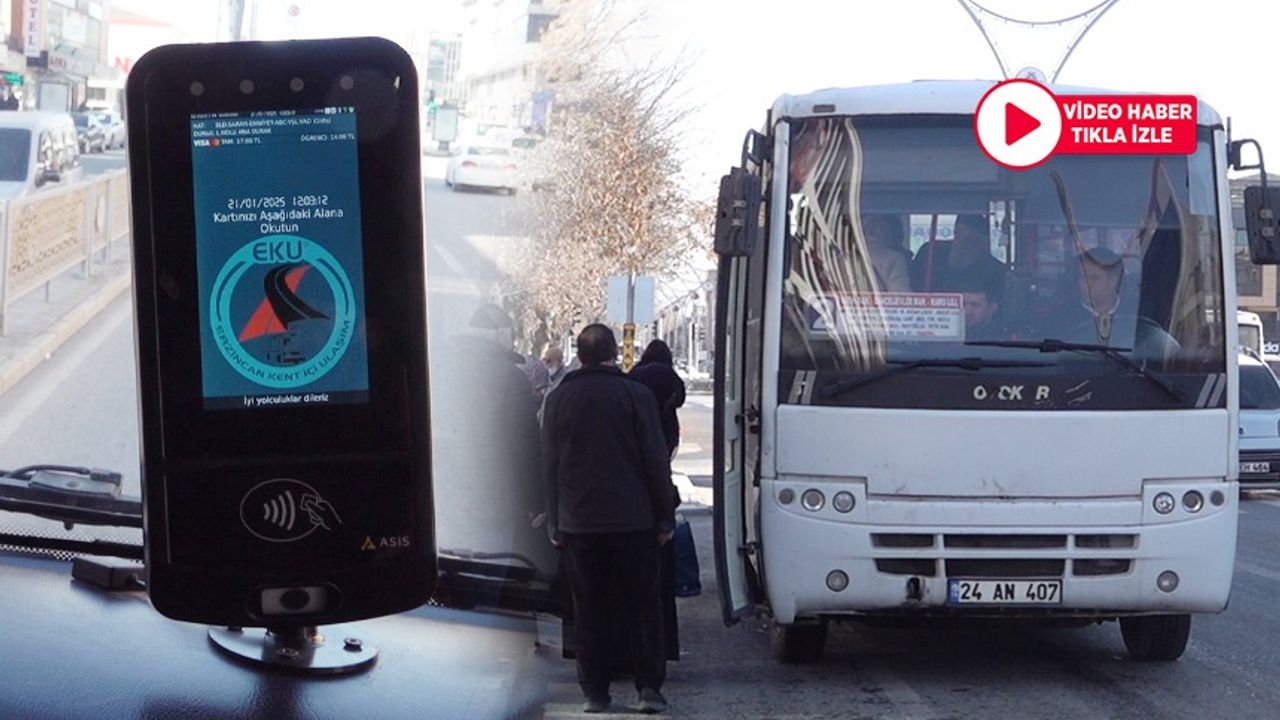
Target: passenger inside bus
[(1100, 305), (984, 317), (1091, 298), (888, 259), (947, 265)]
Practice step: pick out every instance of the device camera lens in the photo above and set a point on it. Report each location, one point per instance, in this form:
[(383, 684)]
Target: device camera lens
[(295, 599)]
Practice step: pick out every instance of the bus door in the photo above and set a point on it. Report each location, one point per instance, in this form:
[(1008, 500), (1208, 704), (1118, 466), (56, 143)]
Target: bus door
[(737, 240)]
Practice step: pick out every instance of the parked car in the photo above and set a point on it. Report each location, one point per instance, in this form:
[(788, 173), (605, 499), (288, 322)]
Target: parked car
[(93, 137), (1259, 424), (482, 167), (38, 150), (113, 127)]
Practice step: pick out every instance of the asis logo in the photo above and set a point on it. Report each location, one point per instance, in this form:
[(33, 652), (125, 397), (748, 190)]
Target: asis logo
[(282, 311), (386, 542)]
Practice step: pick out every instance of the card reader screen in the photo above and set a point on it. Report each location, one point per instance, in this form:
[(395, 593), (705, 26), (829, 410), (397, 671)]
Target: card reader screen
[(279, 258)]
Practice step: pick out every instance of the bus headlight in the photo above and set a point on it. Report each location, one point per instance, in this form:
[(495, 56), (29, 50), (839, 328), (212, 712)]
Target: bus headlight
[(813, 500), (843, 501), (1163, 503), (1193, 501), (1167, 581), (837, 580), (786, 495)]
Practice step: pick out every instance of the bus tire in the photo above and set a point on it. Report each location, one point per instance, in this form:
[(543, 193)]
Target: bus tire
[(1159, 638), (797, 644)]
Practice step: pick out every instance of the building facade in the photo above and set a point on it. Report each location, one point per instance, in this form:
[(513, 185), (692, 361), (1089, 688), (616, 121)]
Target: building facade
[(442, 80), (64, 44), (687, 325), (499, 76)]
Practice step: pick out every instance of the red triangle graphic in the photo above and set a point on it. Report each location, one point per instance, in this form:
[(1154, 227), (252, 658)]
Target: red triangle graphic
[(1017, 124), (264, 320)]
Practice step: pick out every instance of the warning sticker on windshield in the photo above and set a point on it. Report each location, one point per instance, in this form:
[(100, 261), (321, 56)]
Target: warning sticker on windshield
[(926, 317)]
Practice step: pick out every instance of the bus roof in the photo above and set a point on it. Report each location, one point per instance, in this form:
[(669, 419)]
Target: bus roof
[(926, 97)]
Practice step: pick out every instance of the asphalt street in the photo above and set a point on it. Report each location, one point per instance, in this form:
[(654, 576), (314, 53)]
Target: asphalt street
[(96, 163)]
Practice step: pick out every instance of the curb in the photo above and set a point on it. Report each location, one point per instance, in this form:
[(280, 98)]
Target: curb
[(46, 343)]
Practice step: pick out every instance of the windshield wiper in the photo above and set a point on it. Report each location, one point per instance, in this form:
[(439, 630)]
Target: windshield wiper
[(1052, 345), (70, 495), (970, 363)]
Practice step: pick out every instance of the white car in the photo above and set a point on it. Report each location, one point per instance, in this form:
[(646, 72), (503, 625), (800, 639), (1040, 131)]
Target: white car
[(483, 167), (39, 150), (113, 128), (1259, 424)]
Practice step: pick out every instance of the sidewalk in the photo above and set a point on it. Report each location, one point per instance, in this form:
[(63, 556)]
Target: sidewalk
[(695, 492), (703, 649), (691, 467), (36, 327), (693, 481)]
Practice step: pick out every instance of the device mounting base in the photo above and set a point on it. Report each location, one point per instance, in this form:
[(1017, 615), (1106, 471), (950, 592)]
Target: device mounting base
[(330, 650)]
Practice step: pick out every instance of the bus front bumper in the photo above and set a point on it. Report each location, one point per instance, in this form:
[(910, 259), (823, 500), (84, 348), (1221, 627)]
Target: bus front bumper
[(906, 566)]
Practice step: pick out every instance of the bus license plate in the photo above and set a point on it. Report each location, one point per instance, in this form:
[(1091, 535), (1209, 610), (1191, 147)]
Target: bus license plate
[(1254, 468), (1004, 592)]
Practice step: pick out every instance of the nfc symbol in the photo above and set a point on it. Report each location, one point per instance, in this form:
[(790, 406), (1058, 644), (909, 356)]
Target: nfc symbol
[(285, 510), (280, 510)]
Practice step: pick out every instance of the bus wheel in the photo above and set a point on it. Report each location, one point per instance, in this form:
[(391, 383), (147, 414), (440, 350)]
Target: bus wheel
[(796, 644), (1156, 637)]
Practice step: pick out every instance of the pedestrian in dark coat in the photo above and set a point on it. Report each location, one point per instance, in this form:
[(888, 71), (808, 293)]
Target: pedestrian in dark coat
[(611, 506), (656, 371)]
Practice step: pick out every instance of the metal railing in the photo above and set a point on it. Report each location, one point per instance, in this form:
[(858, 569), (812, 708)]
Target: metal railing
[(45, 234)]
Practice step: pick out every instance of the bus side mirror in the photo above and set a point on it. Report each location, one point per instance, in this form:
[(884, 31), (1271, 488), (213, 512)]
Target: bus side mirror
[(1261, 206), (1261, 210), (737, 213)]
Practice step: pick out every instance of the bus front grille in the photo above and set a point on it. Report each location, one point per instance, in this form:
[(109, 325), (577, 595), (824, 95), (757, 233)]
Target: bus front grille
[(1095, 567), (901, 540), (907, 566), (1032, 542), (1107, 542), (1004, 568)]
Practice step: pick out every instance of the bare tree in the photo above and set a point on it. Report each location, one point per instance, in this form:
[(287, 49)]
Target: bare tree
[(611, 163)]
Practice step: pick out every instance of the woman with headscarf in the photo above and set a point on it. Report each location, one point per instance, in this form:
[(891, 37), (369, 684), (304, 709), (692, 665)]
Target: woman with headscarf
[(656, 371)]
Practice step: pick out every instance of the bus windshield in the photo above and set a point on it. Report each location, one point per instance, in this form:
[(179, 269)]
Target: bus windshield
[(1258, 388), (909, 248), (1251, 337)]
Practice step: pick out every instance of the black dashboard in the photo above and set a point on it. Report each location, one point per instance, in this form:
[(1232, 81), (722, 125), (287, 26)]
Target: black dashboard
[(74, 650)]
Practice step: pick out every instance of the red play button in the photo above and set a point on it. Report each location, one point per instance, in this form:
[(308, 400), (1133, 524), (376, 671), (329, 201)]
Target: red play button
[(1017, 124)]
